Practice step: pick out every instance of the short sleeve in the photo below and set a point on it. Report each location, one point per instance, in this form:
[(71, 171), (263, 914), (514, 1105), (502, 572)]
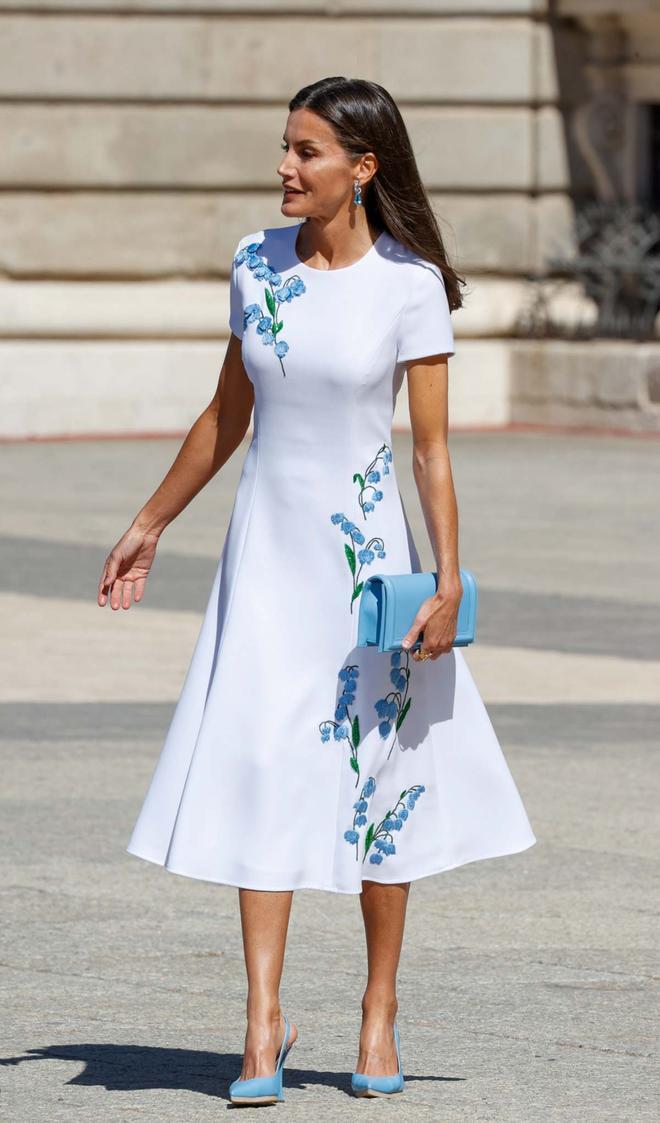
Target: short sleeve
[(424, 324), (235, 298)]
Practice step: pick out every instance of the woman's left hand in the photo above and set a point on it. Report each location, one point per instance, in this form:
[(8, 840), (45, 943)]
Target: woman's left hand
[(437, 616)]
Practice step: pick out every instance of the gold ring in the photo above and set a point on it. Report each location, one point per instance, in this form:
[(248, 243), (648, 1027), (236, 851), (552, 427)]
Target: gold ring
[(424, 654)]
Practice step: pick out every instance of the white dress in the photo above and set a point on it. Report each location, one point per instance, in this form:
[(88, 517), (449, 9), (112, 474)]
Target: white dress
[(295, 759)]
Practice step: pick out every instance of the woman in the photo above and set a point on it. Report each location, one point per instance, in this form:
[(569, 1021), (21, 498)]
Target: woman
[(296, 759)]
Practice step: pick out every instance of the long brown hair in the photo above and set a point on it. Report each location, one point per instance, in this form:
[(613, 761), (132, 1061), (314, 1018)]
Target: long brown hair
[(365, 118)]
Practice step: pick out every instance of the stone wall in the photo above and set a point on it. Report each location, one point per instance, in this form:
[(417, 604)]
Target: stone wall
[(140, 143)]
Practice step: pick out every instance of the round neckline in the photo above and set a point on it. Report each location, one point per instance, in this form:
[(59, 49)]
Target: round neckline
[(342, 268)]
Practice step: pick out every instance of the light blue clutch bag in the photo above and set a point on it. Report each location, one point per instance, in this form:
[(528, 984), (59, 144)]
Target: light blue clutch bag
[(390, 602)]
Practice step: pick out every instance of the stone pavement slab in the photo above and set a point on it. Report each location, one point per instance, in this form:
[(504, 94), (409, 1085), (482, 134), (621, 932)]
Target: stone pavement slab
[(528, 984)]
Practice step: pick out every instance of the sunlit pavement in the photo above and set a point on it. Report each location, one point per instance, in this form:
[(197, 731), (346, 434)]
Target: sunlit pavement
[(526, 982)]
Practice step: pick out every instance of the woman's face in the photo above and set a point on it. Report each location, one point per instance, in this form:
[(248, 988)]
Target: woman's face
[(316, 167)]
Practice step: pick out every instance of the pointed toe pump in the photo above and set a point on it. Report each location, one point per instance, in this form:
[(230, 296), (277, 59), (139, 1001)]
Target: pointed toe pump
[(264, 1089), (364, 1085)]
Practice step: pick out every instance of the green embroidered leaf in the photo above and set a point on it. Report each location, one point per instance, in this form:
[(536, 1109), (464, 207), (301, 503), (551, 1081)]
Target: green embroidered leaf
[(369, 837), (354, 764), (350, 554), (355, 732), (357, 590), (403, 793), (357, 476), (270, 301), (280, 325), (403, 713)]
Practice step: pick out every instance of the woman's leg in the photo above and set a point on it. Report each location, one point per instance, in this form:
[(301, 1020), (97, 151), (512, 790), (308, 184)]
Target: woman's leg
[(384, 914), (264, 923)]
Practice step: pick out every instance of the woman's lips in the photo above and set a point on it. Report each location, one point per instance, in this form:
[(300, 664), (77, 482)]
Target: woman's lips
[(292, 191)]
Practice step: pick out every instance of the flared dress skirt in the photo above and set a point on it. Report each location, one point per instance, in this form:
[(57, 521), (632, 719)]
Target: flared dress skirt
[(294, 758)]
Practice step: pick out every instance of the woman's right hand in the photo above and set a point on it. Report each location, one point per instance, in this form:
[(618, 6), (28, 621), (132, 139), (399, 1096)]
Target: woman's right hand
[(127, 567)]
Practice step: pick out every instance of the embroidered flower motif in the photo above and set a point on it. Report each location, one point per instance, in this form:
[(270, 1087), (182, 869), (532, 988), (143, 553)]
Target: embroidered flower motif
[(395, 705), (276, 294), (375, 547), (352, 835), (369, 494), (345, 727), (381, 837)]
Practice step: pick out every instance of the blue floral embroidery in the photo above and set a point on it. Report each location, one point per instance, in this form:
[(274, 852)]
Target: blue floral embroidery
[(359, 818), (371, 477), (345, 727), (375, 547), (395, 705), (269, 327), (381, 837)]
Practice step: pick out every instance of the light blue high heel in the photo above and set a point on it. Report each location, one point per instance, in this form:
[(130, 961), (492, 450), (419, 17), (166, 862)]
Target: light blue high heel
[(363, 1085), (263, 1089)]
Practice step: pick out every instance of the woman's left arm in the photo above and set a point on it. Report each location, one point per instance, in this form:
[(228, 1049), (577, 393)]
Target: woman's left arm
[(428, 381)]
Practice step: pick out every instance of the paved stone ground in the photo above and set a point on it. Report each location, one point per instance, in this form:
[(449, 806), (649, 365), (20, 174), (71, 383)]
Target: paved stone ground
[(527, 982)]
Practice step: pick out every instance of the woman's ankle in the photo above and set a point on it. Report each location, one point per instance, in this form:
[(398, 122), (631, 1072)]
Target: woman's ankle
[(379, 1002), (264, 1011)]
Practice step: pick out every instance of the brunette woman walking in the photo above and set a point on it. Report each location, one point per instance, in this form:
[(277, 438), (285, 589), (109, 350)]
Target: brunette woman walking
[(296, 758)]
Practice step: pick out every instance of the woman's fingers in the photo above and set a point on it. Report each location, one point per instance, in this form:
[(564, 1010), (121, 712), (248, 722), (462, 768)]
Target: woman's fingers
[(105, 583), (412, 634), (115, 593), (123, 592), (434, 645), (126, 570), (138, 588)]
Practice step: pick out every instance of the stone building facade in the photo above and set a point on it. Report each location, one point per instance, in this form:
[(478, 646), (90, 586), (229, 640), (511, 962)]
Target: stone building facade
[(139, 141)]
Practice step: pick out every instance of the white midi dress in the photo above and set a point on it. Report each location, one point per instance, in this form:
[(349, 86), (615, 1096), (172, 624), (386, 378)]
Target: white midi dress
[(294, 758)]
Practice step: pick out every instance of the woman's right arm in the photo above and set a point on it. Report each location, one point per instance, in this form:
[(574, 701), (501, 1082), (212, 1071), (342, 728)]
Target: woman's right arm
[(212, 439)]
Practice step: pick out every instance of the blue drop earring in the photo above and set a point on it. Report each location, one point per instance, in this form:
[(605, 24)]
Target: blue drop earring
[(357, 192)]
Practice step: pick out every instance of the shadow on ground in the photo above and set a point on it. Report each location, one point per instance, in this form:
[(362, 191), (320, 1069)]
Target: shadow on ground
[(124, 1068)]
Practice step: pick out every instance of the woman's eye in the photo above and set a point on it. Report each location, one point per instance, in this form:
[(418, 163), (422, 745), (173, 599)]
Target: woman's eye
[(306, 151)]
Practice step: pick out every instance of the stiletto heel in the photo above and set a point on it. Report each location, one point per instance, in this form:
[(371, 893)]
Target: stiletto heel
[(264, 1089), (364, 1085)]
